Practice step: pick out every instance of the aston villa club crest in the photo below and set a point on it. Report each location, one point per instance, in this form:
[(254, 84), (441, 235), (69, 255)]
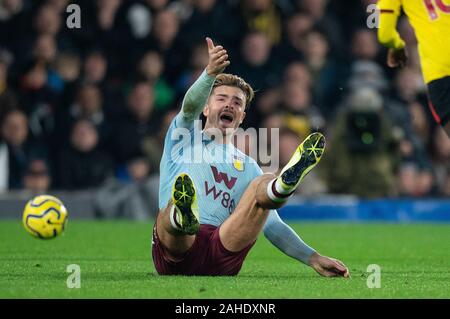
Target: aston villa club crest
[(238, 163)]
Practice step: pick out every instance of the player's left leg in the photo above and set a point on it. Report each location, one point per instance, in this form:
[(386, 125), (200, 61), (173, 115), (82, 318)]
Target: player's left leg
[(447, 128), (439, 101), (269, 192)]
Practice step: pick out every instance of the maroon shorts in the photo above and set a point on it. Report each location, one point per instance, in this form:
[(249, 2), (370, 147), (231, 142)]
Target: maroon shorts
[(206, 257)]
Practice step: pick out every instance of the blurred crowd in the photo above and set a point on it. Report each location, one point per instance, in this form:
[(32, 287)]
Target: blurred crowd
[(89, 107)]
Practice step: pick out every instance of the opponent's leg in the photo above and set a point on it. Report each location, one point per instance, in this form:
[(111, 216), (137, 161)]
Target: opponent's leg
[(269, 192), (177, 224), (447, 129)]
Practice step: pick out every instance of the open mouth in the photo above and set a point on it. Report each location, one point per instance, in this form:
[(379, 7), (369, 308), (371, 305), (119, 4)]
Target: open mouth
[(226, 117)]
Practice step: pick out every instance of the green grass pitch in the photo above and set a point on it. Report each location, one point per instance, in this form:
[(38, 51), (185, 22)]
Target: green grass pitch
[(115, 262)]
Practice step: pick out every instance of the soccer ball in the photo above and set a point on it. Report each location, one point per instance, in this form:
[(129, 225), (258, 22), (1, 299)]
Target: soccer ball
[(45, 217)]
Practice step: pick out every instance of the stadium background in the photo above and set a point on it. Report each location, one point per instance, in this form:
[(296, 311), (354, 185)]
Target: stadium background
[(83, 112)]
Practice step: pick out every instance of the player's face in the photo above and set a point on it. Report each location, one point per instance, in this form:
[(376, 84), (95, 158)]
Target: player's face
[(225, 109)]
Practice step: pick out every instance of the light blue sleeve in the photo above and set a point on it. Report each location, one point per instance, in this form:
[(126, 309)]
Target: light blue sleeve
[(195, 99), (286, 239), (282, 235)]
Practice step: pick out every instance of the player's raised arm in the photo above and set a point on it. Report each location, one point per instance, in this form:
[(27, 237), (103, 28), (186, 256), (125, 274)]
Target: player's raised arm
[(387, 32), (197, 95), (286, 239)]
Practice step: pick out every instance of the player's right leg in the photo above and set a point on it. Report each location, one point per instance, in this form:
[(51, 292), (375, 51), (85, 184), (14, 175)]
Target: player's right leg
[(177, 224), (269, 192)]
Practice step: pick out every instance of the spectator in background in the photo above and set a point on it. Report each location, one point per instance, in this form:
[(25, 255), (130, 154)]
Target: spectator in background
[(263, 16), (59, 5), (327, 74), (139, 123), (164, 39), (407, 180), (413, 148), (134, 198), (11, 18), (256, 66), (326, 21), (63, 79), (47, 24), (414, 181), (256, 63), (95, 68), (364, 45), (211, 15), (106, 32), (301, 115), (89, 105), (47, 21), (440, 150), (151, 68), (153, 145), (139, 17), (291, 48), (45, 49), (409, 84), (8, 98), (37, 179), (21, 148), (136, 194), (95, 72), (420, 122), (157, 5), (266, 105), (38, 98), (298, 72), (107, 11), (65, 73), (83, 163)]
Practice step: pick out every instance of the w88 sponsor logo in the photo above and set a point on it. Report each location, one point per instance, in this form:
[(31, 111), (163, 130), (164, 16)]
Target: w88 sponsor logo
[(223, 196)]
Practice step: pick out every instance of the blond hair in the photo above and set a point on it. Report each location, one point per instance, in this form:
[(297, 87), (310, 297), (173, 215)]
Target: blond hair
[(235, 81)]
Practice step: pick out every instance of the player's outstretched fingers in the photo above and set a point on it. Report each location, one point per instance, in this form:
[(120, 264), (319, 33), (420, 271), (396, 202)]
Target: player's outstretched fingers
[(342, 270), (217, 56), (222, 57), (224, 64)]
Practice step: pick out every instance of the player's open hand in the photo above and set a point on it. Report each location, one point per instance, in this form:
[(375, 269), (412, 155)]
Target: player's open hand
[(218, 58), (397, 58), (328, 267)]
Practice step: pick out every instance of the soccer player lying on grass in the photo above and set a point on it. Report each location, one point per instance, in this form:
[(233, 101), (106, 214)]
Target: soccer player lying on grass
[(431, 23), (200, 230)]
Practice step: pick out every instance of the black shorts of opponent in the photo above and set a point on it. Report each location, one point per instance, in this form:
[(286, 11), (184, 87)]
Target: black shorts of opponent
[(439, 99)]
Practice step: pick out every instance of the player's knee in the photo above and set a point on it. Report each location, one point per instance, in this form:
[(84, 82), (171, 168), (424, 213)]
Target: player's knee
[(261, 180), (262, 199)]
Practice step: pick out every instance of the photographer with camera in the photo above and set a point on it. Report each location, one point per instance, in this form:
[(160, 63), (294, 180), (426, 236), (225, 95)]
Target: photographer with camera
[(364, 150)]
